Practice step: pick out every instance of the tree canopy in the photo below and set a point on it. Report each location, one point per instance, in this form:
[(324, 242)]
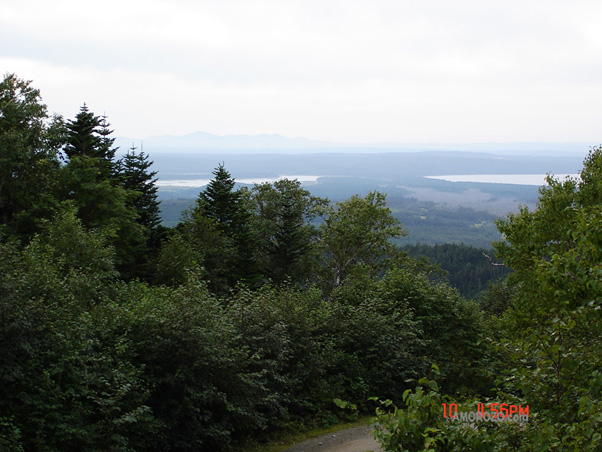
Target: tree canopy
[(268, 308), (28, 157), (357, 231)]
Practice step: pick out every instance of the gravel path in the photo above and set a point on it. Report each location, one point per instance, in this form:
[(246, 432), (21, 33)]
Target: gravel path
[(356, 439)]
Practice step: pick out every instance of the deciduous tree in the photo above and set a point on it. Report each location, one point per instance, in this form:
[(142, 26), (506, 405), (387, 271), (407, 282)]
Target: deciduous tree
[(356, 231), (28, 157), (555, 323)]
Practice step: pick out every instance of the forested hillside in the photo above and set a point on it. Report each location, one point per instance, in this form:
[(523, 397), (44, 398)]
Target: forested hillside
[(426, 222), (245, 319), (250, 318), (468, 269)]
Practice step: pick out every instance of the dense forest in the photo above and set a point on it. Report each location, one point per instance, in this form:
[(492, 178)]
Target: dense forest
[(470, 270), (250, 318), (426, 222)]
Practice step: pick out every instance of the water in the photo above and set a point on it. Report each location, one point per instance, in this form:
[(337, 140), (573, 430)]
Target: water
[(516, 179)]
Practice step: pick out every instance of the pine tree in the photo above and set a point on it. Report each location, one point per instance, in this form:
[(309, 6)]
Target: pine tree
[(226, 207)]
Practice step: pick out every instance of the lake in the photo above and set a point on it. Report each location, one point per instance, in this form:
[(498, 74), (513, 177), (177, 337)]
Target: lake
[(516, 179)]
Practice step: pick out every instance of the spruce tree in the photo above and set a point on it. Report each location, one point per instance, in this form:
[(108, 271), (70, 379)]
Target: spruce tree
[(220, 226), (290, 242), (89, 137), (106, 150), (90, 179), (139, 181), (83, 134), (283, 225), (221, 202)]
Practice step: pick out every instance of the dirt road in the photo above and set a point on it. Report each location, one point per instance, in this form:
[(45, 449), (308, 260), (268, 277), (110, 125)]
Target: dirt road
[(356, 439)]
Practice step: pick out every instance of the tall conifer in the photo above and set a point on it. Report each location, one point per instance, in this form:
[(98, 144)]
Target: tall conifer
[(139, 181)]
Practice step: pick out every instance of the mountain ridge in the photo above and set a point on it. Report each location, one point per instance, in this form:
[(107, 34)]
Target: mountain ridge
[(274, 143)]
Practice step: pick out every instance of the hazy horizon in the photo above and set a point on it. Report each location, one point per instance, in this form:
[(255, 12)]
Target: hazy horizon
[(201, 141), (358, 71)]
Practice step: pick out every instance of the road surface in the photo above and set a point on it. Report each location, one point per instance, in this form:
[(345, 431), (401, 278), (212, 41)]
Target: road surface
[(356, 439)]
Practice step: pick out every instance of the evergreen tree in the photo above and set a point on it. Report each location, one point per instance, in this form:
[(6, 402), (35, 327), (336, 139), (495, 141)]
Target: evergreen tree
[(90, 179), (282, 223), (219, 226), (139, 181), (290, 241), (106, 150), (89, 135), (139, 184), (83, 134), (222, 203)]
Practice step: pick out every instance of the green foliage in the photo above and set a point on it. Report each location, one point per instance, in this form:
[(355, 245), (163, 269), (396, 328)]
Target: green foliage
[(425, 222), (102, 204), (555, 321), (208, 357), (549, 337), (10, 436), (357, 231), (94, 364), (309, 351), (421, 425), (467, 268), (177, 259), (202, 395), (140, 182), (418, 427), (283, 218), (65, 390), (498, 297), (438, 321), (105, 200), (218, 228), (28, 158), (89, 135)]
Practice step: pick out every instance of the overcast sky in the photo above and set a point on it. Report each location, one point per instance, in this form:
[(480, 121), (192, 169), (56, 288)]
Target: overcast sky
[(345, 71)]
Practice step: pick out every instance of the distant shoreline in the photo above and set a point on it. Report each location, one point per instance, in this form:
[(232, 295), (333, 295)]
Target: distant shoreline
[(514, 179)]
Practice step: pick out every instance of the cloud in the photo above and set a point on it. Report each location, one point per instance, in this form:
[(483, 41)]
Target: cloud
[(336, 70)]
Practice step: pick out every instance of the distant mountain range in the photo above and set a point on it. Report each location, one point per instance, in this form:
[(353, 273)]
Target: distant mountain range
[(202, 142)]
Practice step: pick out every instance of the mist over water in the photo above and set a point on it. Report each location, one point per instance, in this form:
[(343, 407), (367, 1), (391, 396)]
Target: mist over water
[(515, 179)]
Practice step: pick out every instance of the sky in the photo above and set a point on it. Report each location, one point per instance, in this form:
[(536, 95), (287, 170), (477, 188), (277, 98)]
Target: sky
[(352, 71)]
